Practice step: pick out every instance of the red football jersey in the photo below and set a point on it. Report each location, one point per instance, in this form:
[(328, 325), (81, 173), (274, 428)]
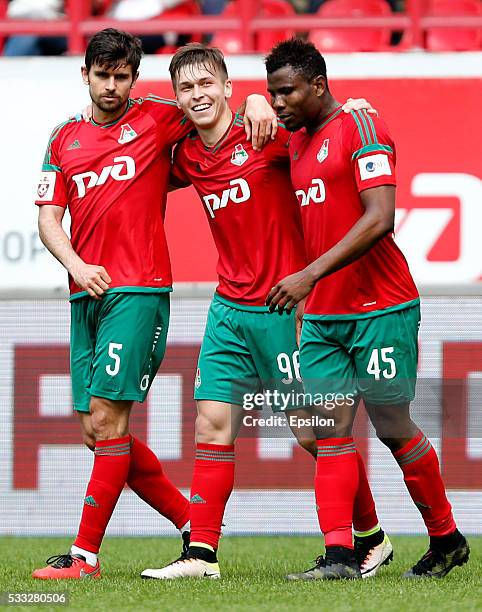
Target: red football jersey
[(347, 154), (251, 208), (113, 178)]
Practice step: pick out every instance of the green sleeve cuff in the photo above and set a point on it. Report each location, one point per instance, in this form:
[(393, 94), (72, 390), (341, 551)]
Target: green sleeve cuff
[(372, 149)]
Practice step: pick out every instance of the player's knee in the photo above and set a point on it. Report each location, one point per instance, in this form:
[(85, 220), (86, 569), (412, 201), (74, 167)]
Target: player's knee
[(101, 425), (104, 423), (209, 431)]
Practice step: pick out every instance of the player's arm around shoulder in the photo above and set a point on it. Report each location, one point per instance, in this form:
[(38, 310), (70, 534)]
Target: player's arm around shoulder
[(171, 123), (260, 121), (278, 147)]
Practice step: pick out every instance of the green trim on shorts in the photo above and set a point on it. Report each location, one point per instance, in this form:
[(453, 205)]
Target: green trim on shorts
[(239, 306), (224, 399), (362, 315), (77, 296), (114, 396)]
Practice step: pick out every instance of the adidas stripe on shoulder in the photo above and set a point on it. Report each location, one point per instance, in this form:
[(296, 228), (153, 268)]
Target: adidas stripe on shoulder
[(368, 135), (55, 132)]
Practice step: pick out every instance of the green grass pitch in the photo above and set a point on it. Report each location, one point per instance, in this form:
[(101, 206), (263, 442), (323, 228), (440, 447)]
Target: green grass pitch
[(253, 571)]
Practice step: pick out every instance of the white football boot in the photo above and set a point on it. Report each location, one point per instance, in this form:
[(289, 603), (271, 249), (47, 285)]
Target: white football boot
[(371, 559), (184, 567)]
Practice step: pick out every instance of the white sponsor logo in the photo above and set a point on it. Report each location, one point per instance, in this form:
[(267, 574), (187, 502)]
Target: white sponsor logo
[(237, 193), (127, 134), (373, 166), (124, 168), (46, 186), (323, 152), (316, 193)]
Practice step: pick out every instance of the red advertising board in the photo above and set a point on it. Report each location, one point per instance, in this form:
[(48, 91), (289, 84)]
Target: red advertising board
[(31, 430)]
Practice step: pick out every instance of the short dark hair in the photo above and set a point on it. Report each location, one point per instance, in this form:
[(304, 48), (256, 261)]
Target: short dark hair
[(113, 48), (197, 54), (302, 56)]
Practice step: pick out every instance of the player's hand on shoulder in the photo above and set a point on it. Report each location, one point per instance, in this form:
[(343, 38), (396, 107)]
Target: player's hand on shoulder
[(260, 121), (85, 114), (289, 291), (354, 104), (93, 279)]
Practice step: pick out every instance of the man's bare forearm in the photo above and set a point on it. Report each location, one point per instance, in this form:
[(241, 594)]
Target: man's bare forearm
[(358, 241), (89, 277), (376, 222), (53, 236)]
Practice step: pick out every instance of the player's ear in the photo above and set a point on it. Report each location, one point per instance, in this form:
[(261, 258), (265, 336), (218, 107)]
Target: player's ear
[(228, 88), (319, 84), (134, 81), (85, 74)]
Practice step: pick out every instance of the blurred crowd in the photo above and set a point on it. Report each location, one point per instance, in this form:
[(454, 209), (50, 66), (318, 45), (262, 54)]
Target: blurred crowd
[(19, 45)]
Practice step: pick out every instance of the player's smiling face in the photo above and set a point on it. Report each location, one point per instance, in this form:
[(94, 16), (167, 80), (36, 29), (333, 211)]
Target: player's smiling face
[(202, 94), (109, 88), (295, 100)]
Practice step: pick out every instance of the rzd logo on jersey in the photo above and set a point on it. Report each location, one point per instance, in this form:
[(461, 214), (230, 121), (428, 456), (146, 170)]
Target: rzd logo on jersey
[(124, 168), (237, 193), (316, 193)]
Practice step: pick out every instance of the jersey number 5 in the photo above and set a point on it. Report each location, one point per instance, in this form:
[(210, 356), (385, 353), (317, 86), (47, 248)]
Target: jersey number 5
[(113, 369)]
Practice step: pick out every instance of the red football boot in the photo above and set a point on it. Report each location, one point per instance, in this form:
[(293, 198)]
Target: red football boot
[(67, 567)]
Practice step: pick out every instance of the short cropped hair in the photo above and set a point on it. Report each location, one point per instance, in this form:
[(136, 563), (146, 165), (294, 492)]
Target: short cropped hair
[(113, 48), (199, 55), (302, 56)]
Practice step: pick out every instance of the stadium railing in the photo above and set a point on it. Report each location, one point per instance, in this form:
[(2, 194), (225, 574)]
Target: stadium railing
[(79, 24)]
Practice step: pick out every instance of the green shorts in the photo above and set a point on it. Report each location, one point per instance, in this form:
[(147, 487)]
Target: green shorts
[(116, 345), (373, 357), (247, 350)]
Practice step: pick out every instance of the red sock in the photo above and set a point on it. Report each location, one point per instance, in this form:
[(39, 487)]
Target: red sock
[(109, 474), (147, 479), (421, 472), (364, 513), (336, 483), (212, 483)]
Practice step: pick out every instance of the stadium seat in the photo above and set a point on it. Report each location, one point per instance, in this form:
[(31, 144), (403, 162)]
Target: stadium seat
[(265, 39), (341, 40), (230, 41), (186, 9), (443, 39)]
